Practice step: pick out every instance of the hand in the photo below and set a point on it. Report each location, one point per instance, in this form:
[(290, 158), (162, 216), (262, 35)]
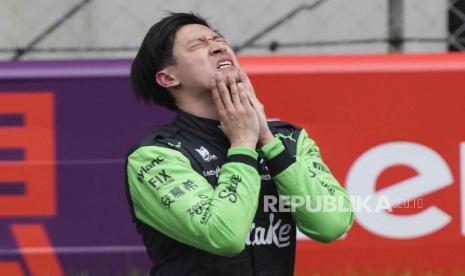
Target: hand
[(265, 134), (238, 118)]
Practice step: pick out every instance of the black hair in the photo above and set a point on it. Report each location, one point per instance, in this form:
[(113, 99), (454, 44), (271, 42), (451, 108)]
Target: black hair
[(155, 53)]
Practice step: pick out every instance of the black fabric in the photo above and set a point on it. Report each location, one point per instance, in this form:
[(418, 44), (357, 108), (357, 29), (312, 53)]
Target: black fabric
[(203, 128), (242, 158), (262, 255), (280, 162)]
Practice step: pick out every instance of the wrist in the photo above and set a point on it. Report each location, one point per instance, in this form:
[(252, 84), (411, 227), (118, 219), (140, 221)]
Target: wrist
[(242, 151), (265, 139), (244, 144)]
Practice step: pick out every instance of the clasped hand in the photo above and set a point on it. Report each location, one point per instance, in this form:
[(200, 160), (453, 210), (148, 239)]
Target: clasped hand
[(241, 114)]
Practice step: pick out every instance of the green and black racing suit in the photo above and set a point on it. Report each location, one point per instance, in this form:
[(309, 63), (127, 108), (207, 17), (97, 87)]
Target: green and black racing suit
[(199, 205)]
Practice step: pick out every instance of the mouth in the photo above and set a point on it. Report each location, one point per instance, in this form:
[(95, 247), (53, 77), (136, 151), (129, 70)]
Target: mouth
[(224, 64)]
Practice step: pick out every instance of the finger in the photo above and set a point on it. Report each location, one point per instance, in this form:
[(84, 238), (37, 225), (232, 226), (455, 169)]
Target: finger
[(234, 91), (216, 96), (246, 104), (224, 92), (249, 88), (250, 97), (245, 101), (245, 80), (237, 75)]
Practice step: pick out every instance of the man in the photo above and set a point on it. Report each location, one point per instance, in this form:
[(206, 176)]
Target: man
[(201, 188)]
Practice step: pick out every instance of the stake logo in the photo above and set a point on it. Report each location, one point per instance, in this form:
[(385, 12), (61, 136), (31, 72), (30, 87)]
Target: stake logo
[(276, 233)]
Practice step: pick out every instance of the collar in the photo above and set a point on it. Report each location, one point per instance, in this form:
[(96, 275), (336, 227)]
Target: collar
[(204, 128)]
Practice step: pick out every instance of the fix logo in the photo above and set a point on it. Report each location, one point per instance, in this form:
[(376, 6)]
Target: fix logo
[(161, 179), (146, 168), (206, 155)]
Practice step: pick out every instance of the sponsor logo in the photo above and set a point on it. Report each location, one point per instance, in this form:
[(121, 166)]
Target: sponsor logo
[(189, 185), (314, 152), (177, 192), (146, 168), (177, 145), (312, 173), (166, 201), (433, 174), (201, 208), (282, 136), (206, 155), (197, 208), (205, 216), (215, 172), (328, 187), (265, 176), (320, 167), (230, 191), (161, 179), (275, 233)]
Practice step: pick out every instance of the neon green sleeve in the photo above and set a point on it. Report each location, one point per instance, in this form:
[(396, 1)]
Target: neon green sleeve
[(322, 209), (170, 196)]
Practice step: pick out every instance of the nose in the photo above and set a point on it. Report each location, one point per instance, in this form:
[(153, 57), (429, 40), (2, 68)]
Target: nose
[(217, 48)]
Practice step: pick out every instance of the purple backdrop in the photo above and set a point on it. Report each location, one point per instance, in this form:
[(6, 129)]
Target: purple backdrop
[(97, 120)]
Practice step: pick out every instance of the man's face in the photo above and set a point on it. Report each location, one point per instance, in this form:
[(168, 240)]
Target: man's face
[(200, 52)]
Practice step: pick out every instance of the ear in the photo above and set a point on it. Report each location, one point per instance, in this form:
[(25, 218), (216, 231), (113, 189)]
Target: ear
[(166, 78)]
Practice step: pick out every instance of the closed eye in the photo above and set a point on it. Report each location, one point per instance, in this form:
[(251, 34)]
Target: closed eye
[(219, 38), (203, 41), (198, 44)]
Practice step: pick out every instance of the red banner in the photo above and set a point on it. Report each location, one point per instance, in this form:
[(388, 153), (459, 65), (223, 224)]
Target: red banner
[(387, 126)]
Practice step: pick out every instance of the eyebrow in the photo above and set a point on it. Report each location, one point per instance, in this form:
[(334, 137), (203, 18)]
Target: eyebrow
[(217, 35)]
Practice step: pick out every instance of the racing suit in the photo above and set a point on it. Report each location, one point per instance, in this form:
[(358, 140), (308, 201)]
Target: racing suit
[(203, 208)]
